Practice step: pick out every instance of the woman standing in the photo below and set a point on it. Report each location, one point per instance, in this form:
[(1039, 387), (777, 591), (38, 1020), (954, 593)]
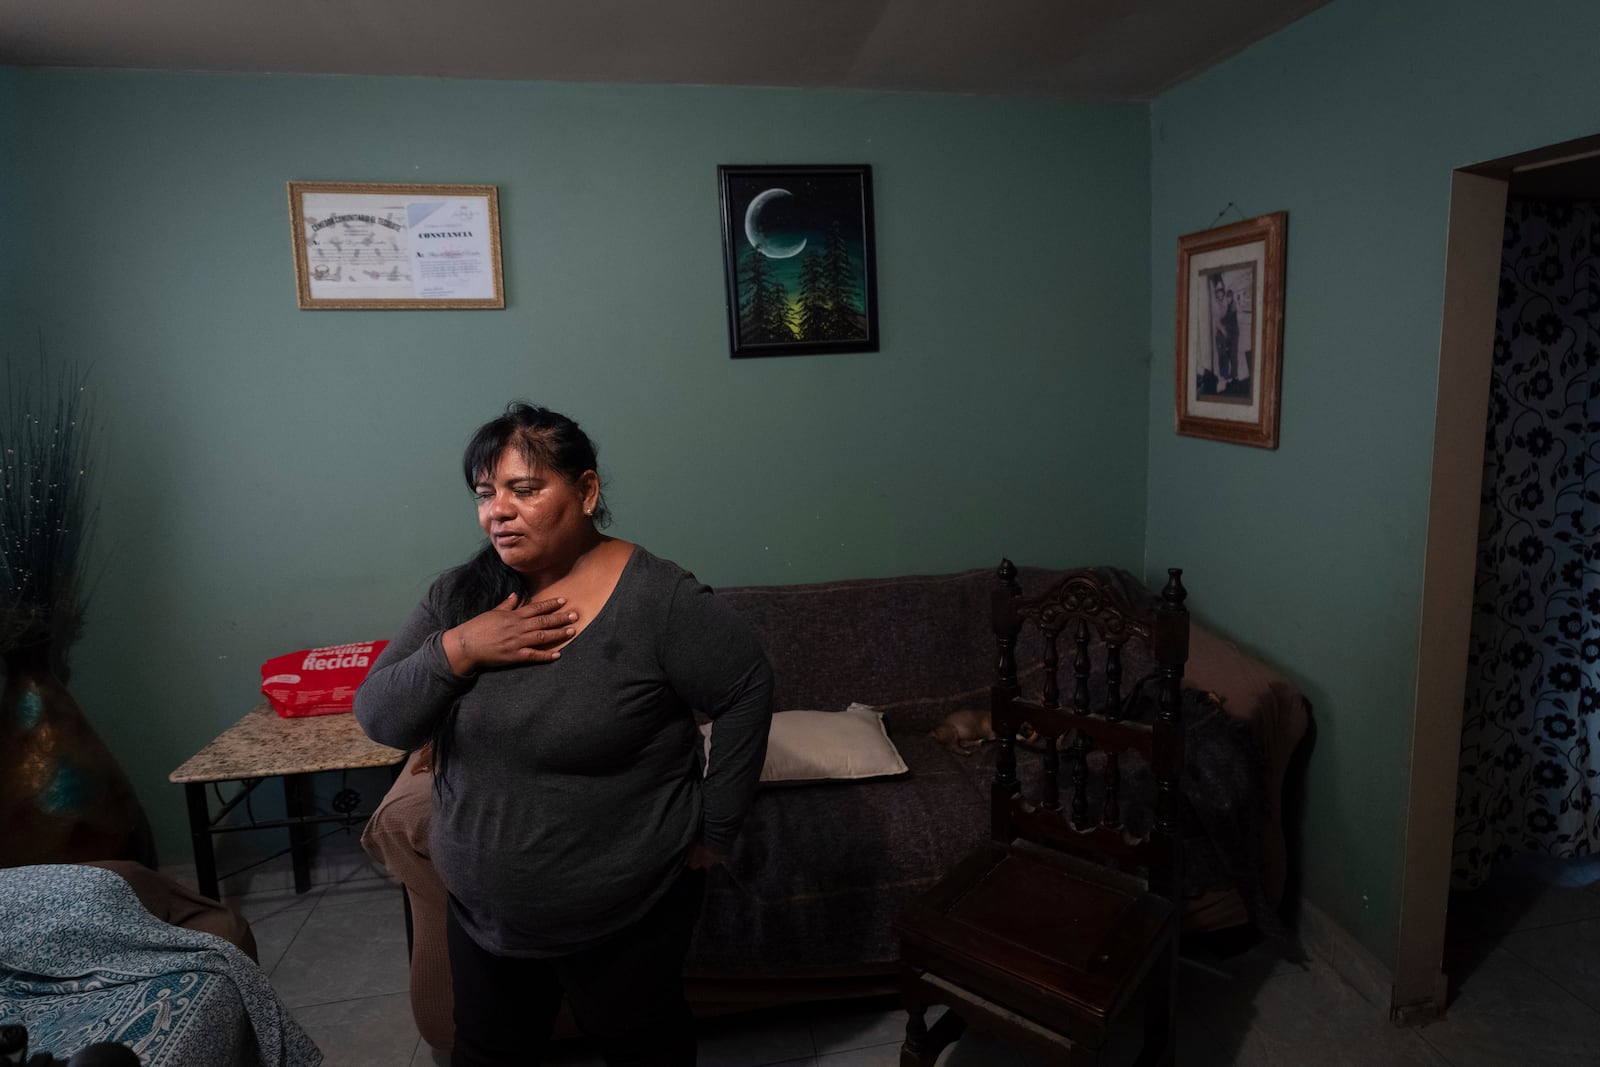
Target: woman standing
[(554, 674)]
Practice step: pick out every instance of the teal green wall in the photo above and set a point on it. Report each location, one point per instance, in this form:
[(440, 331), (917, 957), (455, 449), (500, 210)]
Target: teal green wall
[(279, 478), (10, 118), (13, 333), (1352, 121)]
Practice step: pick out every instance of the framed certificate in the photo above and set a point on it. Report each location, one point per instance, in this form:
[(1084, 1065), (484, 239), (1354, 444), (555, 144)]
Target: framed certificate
[(376, 245)]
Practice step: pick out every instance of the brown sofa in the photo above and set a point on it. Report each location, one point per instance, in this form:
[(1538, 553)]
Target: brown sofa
[(804, 908)]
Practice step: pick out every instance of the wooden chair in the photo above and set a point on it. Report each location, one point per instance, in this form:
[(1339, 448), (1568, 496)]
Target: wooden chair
[(1063, 946)]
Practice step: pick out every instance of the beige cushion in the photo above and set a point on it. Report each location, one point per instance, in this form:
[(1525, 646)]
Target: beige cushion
[(816, 746)]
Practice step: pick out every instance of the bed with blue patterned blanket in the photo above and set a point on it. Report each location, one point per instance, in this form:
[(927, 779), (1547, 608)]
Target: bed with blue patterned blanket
[(82, 961)]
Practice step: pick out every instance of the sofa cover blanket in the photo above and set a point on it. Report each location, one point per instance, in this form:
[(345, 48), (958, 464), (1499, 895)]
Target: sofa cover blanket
[(820, 871), (82, 961)]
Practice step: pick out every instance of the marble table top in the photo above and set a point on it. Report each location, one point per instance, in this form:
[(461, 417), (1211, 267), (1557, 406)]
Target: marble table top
[(264, 744)]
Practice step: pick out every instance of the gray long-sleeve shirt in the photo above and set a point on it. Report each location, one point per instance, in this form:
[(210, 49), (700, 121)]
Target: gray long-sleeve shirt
[(573, 788)]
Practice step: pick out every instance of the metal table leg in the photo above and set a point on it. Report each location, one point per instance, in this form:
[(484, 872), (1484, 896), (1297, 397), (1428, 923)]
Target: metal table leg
[(205, 859), (297, 802)]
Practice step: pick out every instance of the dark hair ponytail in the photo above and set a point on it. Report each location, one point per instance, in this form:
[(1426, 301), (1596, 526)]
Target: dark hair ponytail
[(545, 439)]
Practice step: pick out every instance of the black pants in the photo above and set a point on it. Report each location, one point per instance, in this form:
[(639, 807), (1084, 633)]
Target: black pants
[(628, 992)]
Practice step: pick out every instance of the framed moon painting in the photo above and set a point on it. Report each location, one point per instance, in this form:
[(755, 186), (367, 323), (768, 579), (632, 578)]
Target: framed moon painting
[(797, 248)]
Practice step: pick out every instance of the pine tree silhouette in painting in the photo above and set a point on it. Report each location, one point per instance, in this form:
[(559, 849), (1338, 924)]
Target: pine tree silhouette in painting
[(764, 313), (780, 325), (844, 320), (813, 312)]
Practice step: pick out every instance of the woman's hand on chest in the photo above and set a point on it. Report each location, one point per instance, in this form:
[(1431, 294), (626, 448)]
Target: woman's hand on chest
[(507, 635)]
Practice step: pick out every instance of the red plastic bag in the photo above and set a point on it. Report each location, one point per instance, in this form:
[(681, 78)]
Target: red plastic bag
[(317, 681)]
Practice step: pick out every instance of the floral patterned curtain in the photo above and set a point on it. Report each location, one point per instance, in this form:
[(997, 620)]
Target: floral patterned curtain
[(1530, 769)]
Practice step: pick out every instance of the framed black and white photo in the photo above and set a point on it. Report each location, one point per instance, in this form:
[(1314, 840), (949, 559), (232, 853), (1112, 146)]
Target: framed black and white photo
[(1230, 331), (797, 249)]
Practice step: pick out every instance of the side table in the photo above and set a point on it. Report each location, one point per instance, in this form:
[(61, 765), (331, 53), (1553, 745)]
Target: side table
[(265, 745)]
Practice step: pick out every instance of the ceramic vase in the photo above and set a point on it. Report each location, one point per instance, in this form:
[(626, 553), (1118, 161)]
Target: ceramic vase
[(64, 798)]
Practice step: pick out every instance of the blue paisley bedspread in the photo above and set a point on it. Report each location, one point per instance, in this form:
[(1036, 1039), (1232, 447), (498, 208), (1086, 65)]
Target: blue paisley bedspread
[(82, 961)]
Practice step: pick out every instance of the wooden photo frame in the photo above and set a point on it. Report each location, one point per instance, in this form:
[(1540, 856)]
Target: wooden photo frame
[(1230, 331), (799, 259), (365, 245)]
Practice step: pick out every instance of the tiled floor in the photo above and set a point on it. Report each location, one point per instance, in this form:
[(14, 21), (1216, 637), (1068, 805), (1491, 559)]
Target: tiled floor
[(1525, 960)]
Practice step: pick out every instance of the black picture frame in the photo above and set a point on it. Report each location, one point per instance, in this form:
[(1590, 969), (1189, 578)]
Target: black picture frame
[(799, 259)]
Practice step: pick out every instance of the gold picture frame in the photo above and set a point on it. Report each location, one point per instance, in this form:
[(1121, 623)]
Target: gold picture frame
[(1230, 331), (393, 246)]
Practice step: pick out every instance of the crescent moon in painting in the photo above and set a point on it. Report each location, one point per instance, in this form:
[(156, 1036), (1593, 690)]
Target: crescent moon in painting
[(771, 245)]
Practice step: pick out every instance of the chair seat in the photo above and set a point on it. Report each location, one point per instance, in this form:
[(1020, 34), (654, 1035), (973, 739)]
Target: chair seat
[(1050, 941)]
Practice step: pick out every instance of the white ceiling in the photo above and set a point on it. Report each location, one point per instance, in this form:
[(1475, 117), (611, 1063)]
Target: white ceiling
[(1084, 49)]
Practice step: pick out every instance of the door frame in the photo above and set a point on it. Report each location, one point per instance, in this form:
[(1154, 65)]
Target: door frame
[(1466, 355)]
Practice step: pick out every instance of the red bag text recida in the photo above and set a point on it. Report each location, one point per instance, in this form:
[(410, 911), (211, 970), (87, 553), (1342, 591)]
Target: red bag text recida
[(317, 681)]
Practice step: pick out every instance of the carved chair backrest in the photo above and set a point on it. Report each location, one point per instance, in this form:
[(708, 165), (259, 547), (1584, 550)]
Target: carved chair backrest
[(1084, 610)]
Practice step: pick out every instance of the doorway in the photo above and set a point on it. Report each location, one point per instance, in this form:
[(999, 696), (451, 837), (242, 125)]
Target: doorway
[(1478, 199)]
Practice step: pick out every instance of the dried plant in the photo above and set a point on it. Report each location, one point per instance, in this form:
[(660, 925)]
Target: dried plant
[(46, 434)]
